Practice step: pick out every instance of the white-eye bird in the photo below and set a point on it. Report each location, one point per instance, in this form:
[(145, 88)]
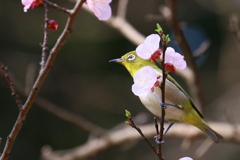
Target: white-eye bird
[(179, 106)]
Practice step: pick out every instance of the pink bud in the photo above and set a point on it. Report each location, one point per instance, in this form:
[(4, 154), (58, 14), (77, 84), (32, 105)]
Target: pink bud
[(52, 25)]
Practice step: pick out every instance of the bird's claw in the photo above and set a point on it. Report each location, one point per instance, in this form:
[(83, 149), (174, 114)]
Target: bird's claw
[(163, 105), (159, 141)]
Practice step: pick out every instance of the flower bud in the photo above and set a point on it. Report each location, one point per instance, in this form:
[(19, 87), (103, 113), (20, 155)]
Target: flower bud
[(52, 25)]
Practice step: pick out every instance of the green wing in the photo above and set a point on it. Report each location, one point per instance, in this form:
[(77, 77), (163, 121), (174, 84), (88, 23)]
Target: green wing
[(177, 85)]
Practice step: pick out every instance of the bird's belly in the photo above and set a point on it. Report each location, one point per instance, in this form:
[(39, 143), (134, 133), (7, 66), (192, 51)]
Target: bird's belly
[(152, 103)]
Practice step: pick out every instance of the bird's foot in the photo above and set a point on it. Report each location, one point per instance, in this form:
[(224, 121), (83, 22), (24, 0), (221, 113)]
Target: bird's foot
[(164, 105), (159, 141)]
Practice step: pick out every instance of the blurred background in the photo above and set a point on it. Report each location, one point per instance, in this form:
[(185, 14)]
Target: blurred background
[(84, 82)]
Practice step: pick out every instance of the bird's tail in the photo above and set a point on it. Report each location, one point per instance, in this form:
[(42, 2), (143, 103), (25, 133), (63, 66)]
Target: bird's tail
[(202, 125), (212, 134)]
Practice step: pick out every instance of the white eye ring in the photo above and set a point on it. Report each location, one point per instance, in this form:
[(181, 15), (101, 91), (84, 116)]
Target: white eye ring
[(131, 57)]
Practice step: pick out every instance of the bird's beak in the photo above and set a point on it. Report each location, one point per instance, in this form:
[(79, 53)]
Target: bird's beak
[(119, 60)]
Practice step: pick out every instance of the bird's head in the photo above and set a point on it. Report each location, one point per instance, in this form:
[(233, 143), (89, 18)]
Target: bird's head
[(133, 62)]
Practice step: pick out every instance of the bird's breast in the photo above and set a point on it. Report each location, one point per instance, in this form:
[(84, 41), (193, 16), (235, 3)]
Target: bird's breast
[(173, 96)]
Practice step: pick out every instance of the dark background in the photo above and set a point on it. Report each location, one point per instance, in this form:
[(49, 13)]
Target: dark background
[(82, 80)]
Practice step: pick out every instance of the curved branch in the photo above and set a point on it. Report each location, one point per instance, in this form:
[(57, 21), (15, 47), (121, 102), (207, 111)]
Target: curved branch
[(54, 5), (126, 135), (70, 117), (120, 23)]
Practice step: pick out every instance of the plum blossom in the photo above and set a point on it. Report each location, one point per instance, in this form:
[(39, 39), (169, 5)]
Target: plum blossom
[(52, 25), (173, 60), (186, 158), (101, 8), (30, 4), (145, 79), (149, 49)]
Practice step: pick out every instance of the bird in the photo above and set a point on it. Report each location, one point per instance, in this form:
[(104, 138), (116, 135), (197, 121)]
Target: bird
[(179, 105)]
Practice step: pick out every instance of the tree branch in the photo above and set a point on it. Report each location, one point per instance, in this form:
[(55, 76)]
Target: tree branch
[(131, 123), (125, 28), (39, 81), (54, 5), (180, 38), (164, 45), (70, 117), (44, 45), (126, 135)]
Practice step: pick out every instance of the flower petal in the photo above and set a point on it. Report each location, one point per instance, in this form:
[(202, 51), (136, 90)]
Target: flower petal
[(143, 51), (153, 41), (138, 90), (185, 158), (175, 59), (27, 2), (105, 13), (150, 45), (101, 8), (25, 8), (144, 80)]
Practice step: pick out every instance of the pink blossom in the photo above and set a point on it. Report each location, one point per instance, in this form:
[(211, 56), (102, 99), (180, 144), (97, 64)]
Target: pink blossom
[(173, 60), (52, 25), (101, 8), (186, 158), (149, 47), (145, 79), (30, 4)]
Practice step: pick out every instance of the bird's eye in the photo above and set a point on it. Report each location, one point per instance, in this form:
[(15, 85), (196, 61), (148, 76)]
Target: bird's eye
[(131, 57)]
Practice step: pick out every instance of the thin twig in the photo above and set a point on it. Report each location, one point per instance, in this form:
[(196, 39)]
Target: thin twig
[(164, 76), (156, 125), (41, 78), (132, 124), (159, 151), (54, 5), (12, 87), (44, 45)]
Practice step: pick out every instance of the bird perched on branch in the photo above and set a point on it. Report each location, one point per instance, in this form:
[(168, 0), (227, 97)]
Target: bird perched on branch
[(179, 105)]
